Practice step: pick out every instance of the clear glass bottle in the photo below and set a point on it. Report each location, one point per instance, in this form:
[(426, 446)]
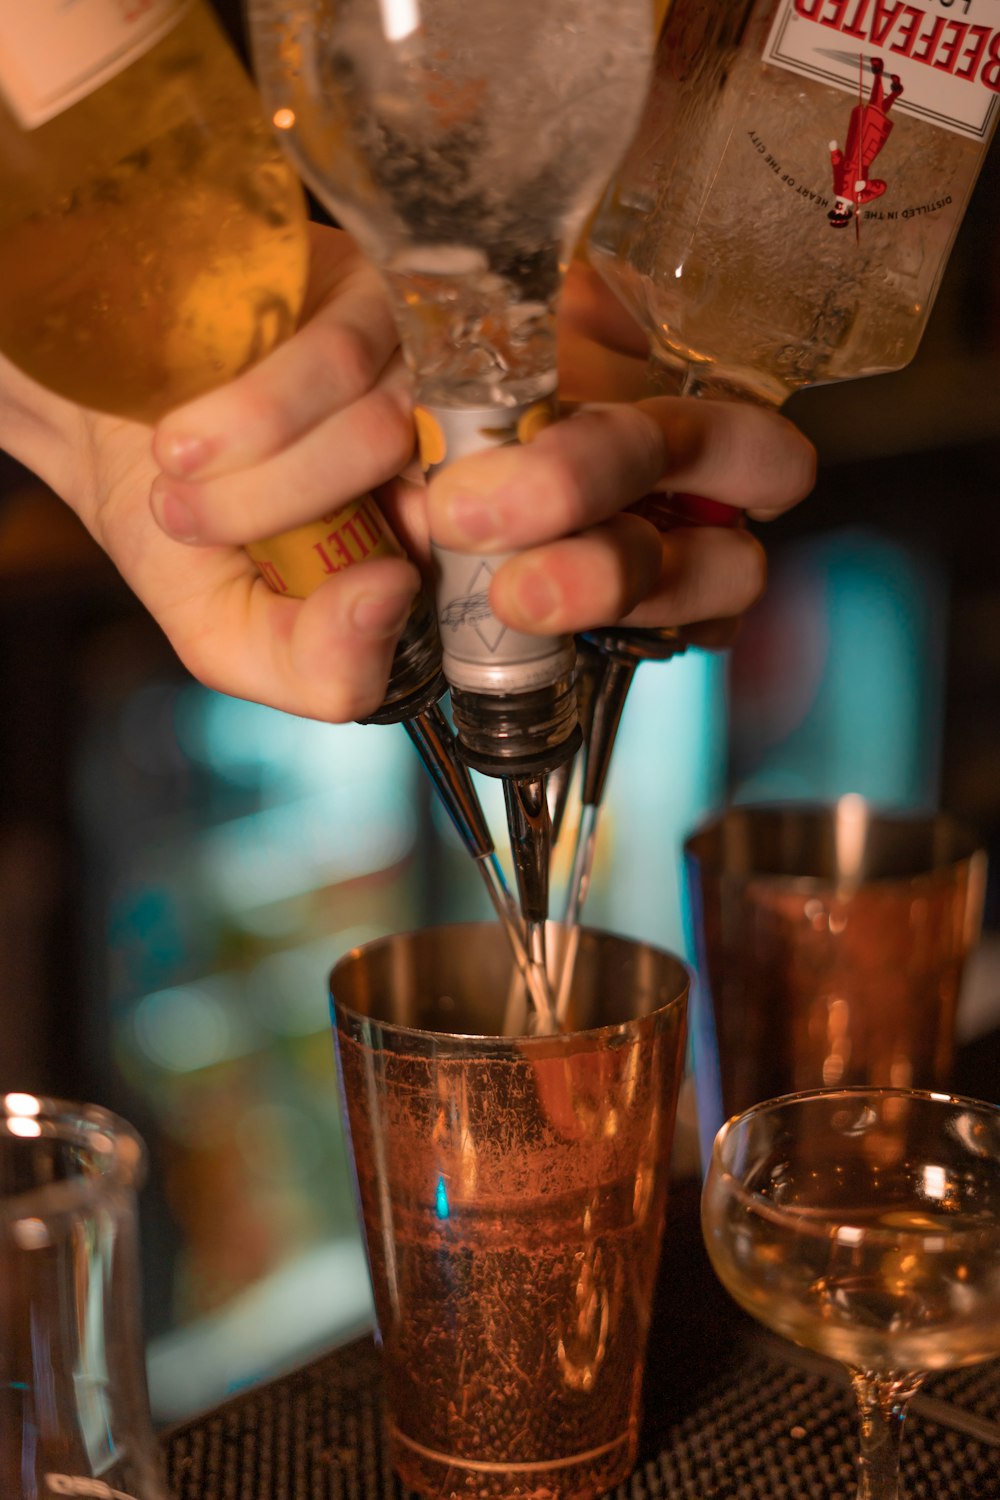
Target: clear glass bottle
[(785, 213), (74, 1413), (463, 145)]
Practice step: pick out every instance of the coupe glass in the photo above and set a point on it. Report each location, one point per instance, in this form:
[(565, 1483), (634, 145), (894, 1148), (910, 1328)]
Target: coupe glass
[(865, 1224)]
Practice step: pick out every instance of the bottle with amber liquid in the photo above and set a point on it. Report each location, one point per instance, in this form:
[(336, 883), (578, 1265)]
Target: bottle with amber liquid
[(153, 244), (152, 238)]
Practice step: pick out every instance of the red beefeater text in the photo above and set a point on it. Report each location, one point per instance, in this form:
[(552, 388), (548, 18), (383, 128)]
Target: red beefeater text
[(956, 47)]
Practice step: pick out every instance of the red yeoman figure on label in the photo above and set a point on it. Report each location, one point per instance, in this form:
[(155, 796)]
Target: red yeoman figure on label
[(867, 133)]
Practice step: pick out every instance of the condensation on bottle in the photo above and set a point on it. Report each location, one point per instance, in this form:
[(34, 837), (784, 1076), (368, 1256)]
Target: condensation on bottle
[(153, 239), (787, 208)]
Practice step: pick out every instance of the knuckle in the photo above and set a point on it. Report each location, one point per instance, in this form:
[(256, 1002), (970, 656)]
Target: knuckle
[(336, 697), (260, 413), (683, 426), (650, 443), (351, 358), (559, 479), (339, 705), (367, 701), (358, 689), (808, 460), (634, 561), (196, 655), (779, 461), (391, 429), (625, 592)]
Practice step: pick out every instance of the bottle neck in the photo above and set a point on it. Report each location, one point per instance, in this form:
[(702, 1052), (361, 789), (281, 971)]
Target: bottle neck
[(669, 375), (513, 696), (525, 733)]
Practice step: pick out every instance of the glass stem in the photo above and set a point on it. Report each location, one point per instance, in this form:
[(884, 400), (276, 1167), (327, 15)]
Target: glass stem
[(882, 1405)]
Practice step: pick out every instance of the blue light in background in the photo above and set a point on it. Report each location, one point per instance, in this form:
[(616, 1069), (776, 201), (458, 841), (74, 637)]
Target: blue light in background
[(668, 773), (871, 687), (334, 801), (441, 1200), (256, 746)]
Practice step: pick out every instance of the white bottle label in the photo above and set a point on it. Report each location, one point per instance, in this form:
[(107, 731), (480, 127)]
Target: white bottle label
[(940, 59), (56, 52)]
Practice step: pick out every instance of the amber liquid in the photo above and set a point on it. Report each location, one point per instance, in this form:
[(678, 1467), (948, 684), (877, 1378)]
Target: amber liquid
[(152, 237)]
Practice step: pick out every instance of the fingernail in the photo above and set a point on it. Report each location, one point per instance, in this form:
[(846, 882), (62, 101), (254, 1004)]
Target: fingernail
[(380, 614), (474, 518), (536, 596), (184, 456), (173, 513)]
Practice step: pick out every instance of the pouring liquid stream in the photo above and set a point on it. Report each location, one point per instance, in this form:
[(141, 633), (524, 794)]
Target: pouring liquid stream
[(530, 827)]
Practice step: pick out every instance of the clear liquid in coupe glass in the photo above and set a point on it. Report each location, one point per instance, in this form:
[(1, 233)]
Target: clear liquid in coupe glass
[(864, 1224)]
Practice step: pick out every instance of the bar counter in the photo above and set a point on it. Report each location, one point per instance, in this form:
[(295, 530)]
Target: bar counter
[(732, 1413)]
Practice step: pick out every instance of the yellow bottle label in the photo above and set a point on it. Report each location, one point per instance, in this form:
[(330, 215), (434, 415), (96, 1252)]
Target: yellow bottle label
[(298, 561), (53, 54)]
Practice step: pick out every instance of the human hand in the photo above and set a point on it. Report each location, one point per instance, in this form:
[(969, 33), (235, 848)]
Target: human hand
[(322, 419), (326, 416), (561, 504)]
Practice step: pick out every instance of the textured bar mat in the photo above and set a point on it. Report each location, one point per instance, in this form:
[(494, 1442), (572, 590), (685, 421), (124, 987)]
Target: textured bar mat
[(766, 1429)]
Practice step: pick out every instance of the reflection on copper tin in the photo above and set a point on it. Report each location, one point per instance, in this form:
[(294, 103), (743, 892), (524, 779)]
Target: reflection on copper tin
[(831, 946), (513, 1195)]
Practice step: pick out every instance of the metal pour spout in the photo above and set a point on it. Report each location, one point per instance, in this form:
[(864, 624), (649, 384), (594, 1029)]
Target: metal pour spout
[(435, 744), (530, 837), (621, 653), (618, 653), (416, 687), (589, 669), (432, 736)]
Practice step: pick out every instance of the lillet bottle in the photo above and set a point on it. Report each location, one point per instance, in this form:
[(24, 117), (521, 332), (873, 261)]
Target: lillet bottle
[(153, 244), (153, 240)]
